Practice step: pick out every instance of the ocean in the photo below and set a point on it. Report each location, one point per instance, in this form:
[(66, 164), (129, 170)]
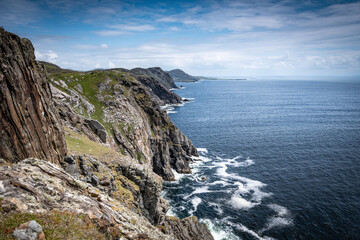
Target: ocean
[(278, 159)]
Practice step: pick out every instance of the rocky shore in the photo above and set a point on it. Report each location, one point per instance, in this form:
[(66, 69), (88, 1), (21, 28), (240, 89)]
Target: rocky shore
[(83, 154)]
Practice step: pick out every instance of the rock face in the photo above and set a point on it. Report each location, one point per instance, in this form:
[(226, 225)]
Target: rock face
[(137, 188), (39, 186), (42, 186), (29, 124), (181, 76), (159, 91), (98, 129), (188, 228), (130, 117), (157, 73)]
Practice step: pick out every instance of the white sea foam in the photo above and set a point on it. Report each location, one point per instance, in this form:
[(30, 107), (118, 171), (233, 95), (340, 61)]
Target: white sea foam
[(169, 112), (204, 150), (217, 232), (170, 212), (179, 176), (280, 210), (199, 190), (245, 185), (195, 202), (246, 163), (278, 222), (169, 108), (216, 207), (282, 218), (252, 233), (224, 183), (238, 202)]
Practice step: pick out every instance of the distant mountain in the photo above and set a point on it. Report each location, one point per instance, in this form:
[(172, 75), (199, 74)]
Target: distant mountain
[(54, 69), (180, 76)]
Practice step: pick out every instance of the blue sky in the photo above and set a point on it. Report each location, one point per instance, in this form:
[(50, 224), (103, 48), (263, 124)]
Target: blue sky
[(209, 38)]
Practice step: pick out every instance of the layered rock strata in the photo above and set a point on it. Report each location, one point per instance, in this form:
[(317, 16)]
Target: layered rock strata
[(29, 123)]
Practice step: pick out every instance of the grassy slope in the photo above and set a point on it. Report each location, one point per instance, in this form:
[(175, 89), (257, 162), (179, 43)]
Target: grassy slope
[(56, 225)]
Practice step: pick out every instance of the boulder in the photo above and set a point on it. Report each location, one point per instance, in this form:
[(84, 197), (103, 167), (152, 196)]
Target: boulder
[(29, 231), (98, 129)]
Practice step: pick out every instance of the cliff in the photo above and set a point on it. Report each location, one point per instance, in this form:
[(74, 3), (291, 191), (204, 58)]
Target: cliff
[(29, 123), (157, 73), (180, 76), (128, 115), (85, 153)]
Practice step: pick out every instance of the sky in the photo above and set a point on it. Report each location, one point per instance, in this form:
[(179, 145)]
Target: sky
[(206, 38)]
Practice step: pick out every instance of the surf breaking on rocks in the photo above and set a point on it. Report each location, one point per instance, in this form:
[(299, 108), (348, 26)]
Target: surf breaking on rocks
[(216, 187)]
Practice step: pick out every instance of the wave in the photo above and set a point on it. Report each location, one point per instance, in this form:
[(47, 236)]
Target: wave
[(238, 202), (252, 233), (203, 150), (224, 189), (196, 201), (178, 176), (282, 218), (218, 232)]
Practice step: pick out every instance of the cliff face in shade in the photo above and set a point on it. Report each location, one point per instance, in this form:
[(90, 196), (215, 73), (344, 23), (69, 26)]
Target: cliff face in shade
[(181, 76), (29, 124), (159, 91), (157, 73)]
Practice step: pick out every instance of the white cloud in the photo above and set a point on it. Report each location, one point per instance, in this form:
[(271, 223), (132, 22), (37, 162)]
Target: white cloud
[(51, 56), (229, 38), (109, 32), (121, 29), (133, 27), (111, 65), (38, 55)]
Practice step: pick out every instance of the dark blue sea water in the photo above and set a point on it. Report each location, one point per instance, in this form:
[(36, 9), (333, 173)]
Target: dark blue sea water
[(281, 159)]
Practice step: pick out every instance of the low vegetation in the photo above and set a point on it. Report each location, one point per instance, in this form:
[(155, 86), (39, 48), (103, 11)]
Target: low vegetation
[(56, 225)]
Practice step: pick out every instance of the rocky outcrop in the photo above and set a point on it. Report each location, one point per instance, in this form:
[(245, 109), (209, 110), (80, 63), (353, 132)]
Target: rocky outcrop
[(157, 73), (38, 186), (98, 129), (159, 91), (29, 123), (136, 187), (187, 228)]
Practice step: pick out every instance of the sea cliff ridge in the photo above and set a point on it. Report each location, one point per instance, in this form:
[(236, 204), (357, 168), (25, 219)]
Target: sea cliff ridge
[(84, 154)]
